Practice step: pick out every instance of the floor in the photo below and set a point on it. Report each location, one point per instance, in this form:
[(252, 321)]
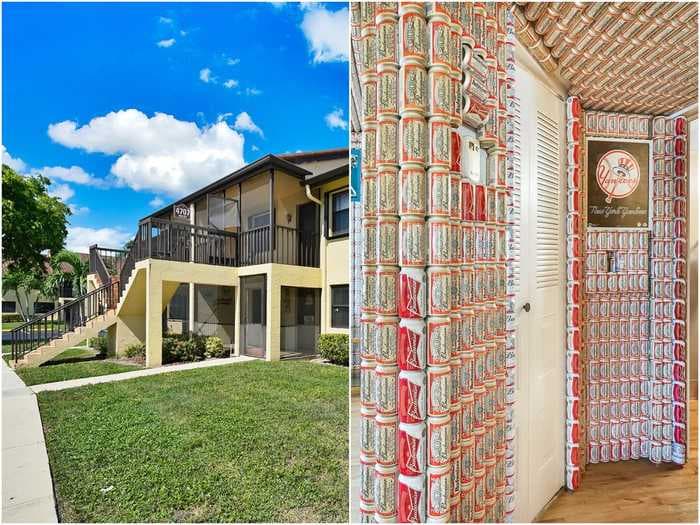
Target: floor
[(631, 491), (27, 490), (634, 491), (74, 383)]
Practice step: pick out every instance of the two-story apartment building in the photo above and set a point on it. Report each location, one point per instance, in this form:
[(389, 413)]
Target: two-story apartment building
[(258, 258)]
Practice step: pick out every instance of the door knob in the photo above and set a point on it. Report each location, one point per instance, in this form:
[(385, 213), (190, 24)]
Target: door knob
[(526, 307)]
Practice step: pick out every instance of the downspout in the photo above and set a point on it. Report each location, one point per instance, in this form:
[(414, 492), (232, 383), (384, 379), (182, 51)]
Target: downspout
[(311, 196)]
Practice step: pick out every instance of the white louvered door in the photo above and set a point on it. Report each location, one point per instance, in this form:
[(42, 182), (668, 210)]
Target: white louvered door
[(541, 333)]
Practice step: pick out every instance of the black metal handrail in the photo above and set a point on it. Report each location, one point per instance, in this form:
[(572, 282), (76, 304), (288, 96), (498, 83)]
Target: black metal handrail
[(66, 318)]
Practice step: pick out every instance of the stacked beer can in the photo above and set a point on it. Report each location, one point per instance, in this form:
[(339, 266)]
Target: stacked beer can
[(574, 273), (667, 406), (679, 448), (512, 255), (368, 78), (617, 332), (433, 325)]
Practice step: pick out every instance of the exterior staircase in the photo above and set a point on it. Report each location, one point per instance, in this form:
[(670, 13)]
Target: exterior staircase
[(43, 338), (55, 347)]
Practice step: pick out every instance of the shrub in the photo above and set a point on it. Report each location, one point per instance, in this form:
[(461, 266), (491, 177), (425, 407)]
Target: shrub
[(100, 344), (181, 348), (12, 318), (136, 351), (334, 348), (215, 347)]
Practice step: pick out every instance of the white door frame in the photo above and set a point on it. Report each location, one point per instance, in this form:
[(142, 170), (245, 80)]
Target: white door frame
[(532, 83)]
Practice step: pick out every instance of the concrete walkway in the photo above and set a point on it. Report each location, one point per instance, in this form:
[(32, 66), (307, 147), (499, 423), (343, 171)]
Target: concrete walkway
[(27, 490), (74, 383)]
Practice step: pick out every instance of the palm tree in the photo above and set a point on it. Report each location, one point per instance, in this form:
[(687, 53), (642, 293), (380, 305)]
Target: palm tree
[(59, 277)]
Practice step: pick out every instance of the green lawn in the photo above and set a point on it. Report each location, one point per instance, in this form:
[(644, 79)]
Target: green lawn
[(74, 363), (248, 442), (6, 327)]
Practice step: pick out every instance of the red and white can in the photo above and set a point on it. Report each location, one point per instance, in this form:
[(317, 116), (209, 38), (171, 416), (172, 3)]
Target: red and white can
[(385, 490), (438, 391), (412, 241), (439, 286), (412, 448), (386, 389), (387, 287), (438, 441), (387, 240), (412, 191), (412, 293), (412, 345), (438, 341), (386, 439), (386, 340), (438, 489), (438, 241), (438, 192), (387, 187), (412, 396), (412, 499)]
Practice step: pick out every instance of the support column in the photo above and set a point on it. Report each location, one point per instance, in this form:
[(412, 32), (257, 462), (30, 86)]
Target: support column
[(272, 339), (154, 319), (191, 309), (237, 322)]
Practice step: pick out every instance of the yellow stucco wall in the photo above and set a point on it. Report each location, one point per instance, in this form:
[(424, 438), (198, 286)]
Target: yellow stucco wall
[(335, 262)]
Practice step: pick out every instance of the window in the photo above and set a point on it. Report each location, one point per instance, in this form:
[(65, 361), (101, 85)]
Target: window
[(259, 220), (223, 212), (42, 307), (9, 307), (339, 219), (340, 305)]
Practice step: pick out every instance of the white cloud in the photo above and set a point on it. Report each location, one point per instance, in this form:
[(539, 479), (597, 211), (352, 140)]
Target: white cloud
[(183, 32), (326, 32), (205, 76), (232, 61), (156, 202), (165, 20), (16, 164), (74, 174), (158, 153), (254, 148), (335, 119), (223, 116), (78, 210), (62, 191), (278, 4), (166, 43), (231, 83), (80, 238), (252, 91), (245, 123)]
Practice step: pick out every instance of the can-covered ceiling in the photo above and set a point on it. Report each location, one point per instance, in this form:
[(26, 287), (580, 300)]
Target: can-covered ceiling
[(634, 57)]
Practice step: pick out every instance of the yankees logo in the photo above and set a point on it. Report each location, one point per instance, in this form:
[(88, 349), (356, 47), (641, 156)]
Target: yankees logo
[(617, 174)]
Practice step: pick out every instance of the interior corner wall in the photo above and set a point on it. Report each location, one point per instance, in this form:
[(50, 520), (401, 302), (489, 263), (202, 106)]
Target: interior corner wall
[(627, 323)]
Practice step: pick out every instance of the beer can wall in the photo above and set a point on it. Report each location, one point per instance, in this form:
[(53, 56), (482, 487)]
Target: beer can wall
[(575, 453), (436, 405), (626, 315)]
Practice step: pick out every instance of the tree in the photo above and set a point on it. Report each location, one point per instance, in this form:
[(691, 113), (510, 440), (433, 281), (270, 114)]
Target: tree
[(22, 282), (33, 222), (77, 277)]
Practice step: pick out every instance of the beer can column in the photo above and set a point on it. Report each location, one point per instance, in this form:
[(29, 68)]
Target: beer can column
[(680, 432), (513, 259), (368, 364), (413, 446), (439, 260), (387, 308), (462, 411), (574, 272)]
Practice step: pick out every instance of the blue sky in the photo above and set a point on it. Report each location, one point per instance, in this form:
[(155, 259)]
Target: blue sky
[(129, 106)]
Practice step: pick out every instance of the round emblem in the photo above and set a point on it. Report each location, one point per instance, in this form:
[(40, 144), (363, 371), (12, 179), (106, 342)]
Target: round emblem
[(617, 174)]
